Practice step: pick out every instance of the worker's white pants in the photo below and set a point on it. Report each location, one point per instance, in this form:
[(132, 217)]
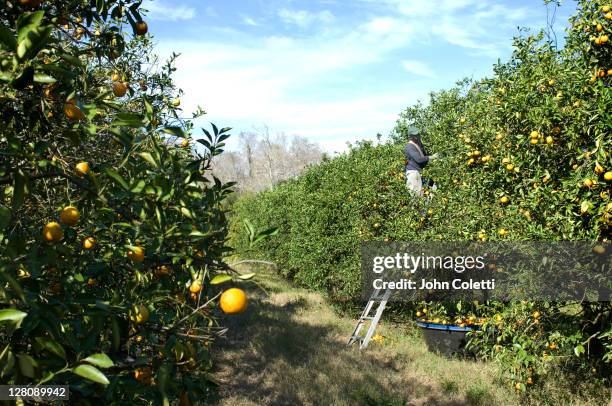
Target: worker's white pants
[(414, 182)]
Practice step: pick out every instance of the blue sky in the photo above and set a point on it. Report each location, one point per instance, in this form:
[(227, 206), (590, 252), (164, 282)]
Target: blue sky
[(334, 71)]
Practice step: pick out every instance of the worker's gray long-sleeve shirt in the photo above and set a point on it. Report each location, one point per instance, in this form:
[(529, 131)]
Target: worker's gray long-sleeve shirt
[(416, 158)]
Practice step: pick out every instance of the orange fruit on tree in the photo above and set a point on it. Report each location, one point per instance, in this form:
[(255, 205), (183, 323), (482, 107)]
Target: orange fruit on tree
[(233, 301), (599, 28), (176, 102), (89, 243), (140, 314), (120, 89), (598, 169), (115, 77), (502, 232), (504, 200), (549, 140), (162, 270), (73, 112), (143, 375), (588, 183), (603, 39), (608, 176), (141, 28), (529, 381), (185, 143), (605, 8), (536, 314), (510, 167), (52, 231), (82, 168), (136, 254), (70, 216), (195, 287)]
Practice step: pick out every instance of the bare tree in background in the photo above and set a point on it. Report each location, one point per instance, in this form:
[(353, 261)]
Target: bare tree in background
[(264, 160)]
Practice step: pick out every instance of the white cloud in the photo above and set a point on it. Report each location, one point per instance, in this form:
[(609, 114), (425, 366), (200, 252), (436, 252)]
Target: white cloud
[(249, 21), (303, 18), (418, 68), (160, 10)]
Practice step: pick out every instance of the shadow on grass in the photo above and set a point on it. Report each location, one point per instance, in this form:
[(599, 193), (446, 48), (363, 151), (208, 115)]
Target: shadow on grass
[(289, 349)]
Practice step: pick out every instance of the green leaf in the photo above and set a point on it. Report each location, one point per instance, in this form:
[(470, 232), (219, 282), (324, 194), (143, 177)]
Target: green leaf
[(220, 279), (35, 39), (27, 365), (7, 39), (43, 78), (100, 360), (246, 276), (176, 131), (578, 350), (73, 60), (128, 120), (12, 315), (5, 217), (118, 178), (92, 373), (52, 346), (149, 158)]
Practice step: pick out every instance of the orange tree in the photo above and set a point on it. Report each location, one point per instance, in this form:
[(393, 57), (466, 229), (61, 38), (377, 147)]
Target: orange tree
[(110, 227), (526, 157)]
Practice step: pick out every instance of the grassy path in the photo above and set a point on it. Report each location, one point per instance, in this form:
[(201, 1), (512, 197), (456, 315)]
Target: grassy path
[(289, 348)]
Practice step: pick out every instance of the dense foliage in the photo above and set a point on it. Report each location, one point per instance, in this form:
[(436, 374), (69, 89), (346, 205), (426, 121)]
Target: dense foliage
[(110, 227), (526, 156)]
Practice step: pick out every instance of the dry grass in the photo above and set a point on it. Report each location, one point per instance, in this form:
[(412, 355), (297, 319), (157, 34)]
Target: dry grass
[(289, 348)]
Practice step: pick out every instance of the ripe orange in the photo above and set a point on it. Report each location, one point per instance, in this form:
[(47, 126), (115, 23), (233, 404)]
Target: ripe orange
[(533, 141), (162, 270), (185, 143), (603, 39), (498, 318), (536, 314), (599, 28), (419, 314), (72, 112), (551, 82), (82, 168), (598, 169), (605, 8), (195, 287), (510, 167), (176, 102), (70, 216), (140, 314), (504, 200), (52, 231), (549, 140), (502, 232), (608, 176), (529, 381), (141, 28), (233, 301), (143, 375), (120, 89), (89, 243), (599, 249), (136, 255), (115, 77), (588, 183)]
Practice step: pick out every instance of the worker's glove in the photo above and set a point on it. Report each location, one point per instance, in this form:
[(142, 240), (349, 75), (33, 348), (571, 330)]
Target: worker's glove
[(433, 157)]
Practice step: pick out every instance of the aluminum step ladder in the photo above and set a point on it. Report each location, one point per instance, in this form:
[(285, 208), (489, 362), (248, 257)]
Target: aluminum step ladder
[(380, 297)]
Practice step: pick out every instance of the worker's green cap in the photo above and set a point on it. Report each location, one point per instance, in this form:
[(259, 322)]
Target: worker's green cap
[(412, 130)]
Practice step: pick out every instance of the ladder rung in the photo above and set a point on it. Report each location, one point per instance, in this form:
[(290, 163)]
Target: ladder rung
[(367, 318)]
